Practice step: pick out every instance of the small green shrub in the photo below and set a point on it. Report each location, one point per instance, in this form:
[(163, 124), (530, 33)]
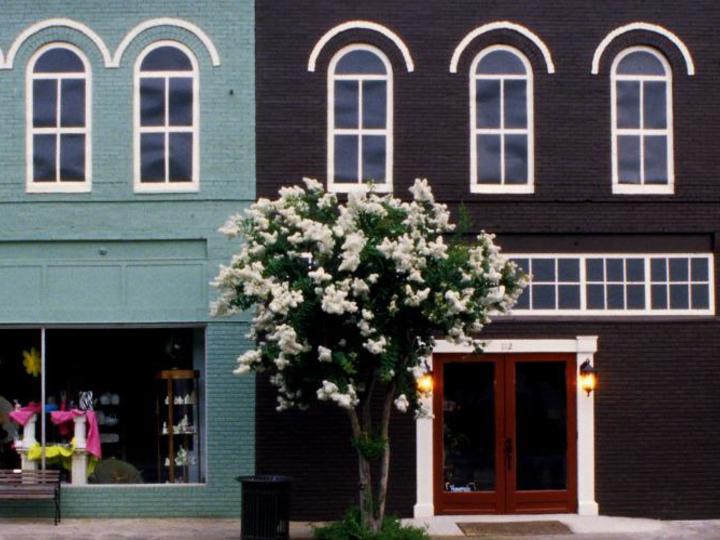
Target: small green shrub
[(351, 528)]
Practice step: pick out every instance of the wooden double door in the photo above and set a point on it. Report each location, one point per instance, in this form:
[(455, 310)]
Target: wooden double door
[(505, 433)]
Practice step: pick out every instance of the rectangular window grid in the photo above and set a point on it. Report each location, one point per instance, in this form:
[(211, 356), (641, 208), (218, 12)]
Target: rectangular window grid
[(617, 284)]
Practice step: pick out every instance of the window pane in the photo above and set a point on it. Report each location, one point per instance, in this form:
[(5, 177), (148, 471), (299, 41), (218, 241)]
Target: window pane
[(700, 297), (72, 158), (615, 297), (373, 165), (596, 297), (501, 63), (523, 264), (629, 159), (488, 157), (700, 270), (640, 63), (346, 104), (374, 104), (44, 103), (516, 159), (543, 270), (635, 269), (678, 269), (658, 269), (72, 106), (543, 297), (656, 159), (614, 269), (635, 296), (655, 106), (487, 99), (659, 296), (180, 159), (524, 300), (152, 101), (568, 270), (59, 60), (181, 101), (152, 157), (515, 103), (569, 296), (360, 62), (594, 269), (346, 158), (166, 58), (679, 297), (44, 158), (628, 104)]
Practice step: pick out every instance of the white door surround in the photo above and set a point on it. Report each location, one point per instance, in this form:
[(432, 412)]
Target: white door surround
[(584, 347)]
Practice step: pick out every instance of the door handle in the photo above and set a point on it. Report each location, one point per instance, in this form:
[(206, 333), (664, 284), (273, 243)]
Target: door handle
[(508, 449)]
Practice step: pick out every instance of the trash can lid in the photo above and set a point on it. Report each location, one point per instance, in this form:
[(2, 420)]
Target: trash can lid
[(264, 479)]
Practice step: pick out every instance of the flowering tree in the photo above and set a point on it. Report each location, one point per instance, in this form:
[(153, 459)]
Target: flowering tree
[(348, 300)]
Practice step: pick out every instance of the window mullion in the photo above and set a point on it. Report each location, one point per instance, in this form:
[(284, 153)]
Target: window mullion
[(502, 131), (360, 128), (57, 134), (167, 130), (642, 131)]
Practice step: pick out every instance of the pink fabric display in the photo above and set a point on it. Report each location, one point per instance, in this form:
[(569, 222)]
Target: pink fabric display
[(22, 416), (93, 432)]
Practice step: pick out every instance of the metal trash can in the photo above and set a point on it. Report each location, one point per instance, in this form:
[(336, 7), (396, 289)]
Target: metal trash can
[(265, 507)]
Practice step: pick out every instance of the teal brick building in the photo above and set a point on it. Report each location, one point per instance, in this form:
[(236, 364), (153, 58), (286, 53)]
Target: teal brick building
[(124, 148)]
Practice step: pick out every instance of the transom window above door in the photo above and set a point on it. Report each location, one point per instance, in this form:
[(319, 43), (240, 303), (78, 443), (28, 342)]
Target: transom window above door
[(360, 113), (642, 139), (501, 122), (58, 120)]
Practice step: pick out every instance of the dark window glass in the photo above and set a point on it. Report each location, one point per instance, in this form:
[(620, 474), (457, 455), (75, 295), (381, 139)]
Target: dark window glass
[(45, 103), (346, 104), (488, 103), (635, 296), (679, 297), (346, 158), (72, 105), (181, 101), (516, 159), (543, 296), (59, 60), (614, 269), (44, 158), (523, 264), (568, 269), (360, 62), (615, 297), (569, 296), (501, 63), (152, 101), (700, 297), (524, 300), (678, 269), (658, 269), (152, 152), (488, 150), (596, 297), (374, 158), (72, 157), (374, 104), (629, 159), (166, 58), (658, 294), (594, 270), (640, 63), (628, 104), (543, 269), (655, 105), (180, 158), (635, 270), (515, 103), (656, 159), (700, 270)]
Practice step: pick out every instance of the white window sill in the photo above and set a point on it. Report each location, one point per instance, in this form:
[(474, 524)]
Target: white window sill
[(166, 187), (359, 188), (58, 187), (502, 188), (640, 189)]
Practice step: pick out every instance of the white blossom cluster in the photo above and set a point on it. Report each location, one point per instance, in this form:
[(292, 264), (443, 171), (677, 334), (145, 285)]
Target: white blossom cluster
[(340, 289)]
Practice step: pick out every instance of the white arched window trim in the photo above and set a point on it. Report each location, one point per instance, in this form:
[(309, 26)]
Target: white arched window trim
[(639, 189), (57, 187), (167, 187), (475, 186), (387, 186)]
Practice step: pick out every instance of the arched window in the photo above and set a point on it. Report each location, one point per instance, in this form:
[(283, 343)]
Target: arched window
[(642, 146), (166, 119), (360, 130), (58, 120), (501, 122)]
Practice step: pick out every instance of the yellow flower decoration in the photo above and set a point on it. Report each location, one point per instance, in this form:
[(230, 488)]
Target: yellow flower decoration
[(31, 361)]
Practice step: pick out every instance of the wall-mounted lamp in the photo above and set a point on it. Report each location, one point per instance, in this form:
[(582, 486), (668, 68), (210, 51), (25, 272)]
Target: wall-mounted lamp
[(425, 383), (588, 377)]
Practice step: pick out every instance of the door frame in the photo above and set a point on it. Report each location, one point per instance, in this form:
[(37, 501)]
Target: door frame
[(584, 348)]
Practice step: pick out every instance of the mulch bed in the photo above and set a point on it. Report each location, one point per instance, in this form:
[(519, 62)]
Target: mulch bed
[(514, 528)]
